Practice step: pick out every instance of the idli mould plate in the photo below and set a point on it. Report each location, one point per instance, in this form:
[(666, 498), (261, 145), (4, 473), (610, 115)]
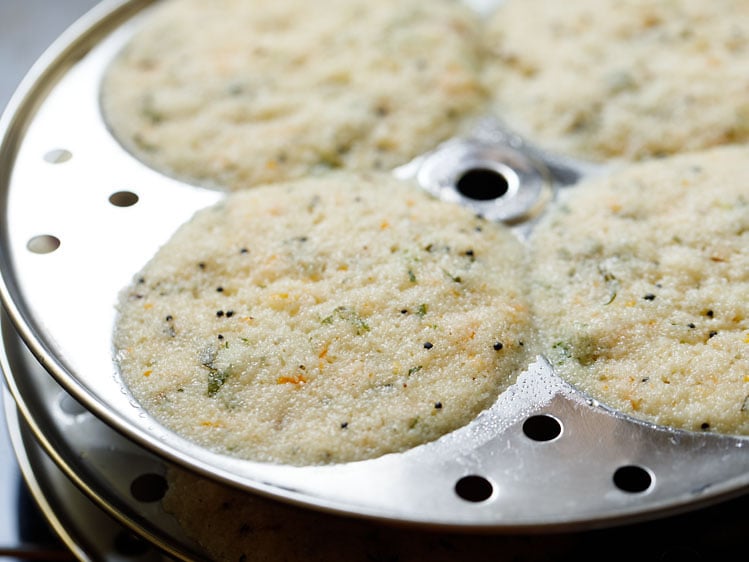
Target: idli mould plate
[(81, 216)]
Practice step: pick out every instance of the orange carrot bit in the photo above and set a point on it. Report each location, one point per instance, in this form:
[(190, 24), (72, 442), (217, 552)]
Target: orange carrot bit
[(148, 373), (615, 207), (295, 379), (321, 356)]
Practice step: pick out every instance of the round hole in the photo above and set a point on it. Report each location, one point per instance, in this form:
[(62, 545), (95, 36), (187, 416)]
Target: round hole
[(474, 488), (482, 184), (632, 479), (58, 156), (148, 488), (71, 406), (43, 244), (542, 427), (123, 199), (130, 545)]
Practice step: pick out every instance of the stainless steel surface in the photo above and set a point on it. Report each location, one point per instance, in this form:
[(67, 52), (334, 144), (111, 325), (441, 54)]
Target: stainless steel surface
[(27, 27), (90, 534), (68, 248), (514, 187), (95, 459)]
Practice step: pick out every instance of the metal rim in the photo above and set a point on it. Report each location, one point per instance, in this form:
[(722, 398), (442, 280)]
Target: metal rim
[(63, 529), (95, 459), (70, 512)]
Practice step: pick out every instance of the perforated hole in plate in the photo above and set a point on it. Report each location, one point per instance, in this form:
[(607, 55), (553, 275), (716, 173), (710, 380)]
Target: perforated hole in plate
[(148, 488), (123, 199), (633, 479), (43, 244), (58, 156), (542, 427), (482, 184), (474, 488), (71, 406)]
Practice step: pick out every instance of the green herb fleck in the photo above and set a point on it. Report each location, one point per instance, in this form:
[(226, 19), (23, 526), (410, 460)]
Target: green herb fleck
[(564, 349), (149, 111), (455, 278), (216, 380), (349, 315), (611, 282), (745, 404), (143, 144)]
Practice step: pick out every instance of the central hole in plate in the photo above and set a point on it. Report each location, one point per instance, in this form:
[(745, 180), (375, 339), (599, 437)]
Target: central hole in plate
[(482, 184)]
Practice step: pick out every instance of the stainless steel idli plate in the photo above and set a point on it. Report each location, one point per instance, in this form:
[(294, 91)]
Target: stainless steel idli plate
[(81, 215), (90, 531)]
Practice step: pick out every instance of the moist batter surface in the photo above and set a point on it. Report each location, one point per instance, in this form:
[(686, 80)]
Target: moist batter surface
[(640, 287), (233, 93), (611, 79)]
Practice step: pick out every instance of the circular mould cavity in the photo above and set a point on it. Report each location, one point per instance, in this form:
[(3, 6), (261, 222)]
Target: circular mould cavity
[(58, 156), (123, 199), (474, 488), (460, 262), (482, 184), (633, 479), (542, 427), (414, 106), (148, 488), (43, 244)]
